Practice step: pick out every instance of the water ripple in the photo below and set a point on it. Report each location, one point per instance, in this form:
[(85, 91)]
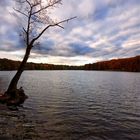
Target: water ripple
[(74, 105)]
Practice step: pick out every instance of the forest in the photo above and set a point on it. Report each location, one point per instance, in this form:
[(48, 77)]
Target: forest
[(126, 64), (6, 64)]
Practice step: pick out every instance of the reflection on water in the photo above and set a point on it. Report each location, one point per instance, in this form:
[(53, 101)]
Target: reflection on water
[(74, 105)]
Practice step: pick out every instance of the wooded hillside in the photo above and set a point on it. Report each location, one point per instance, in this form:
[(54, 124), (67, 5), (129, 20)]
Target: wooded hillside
[(127, 64)]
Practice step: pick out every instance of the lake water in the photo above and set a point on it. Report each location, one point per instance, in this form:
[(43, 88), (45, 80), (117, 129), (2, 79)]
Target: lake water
[(74, 105)]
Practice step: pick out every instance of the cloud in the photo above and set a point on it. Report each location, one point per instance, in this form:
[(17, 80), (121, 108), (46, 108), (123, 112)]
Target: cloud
[(103, 30), (80, 49)]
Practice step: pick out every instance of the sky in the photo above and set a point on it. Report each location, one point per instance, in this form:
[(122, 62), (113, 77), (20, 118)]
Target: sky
[(103, 30)]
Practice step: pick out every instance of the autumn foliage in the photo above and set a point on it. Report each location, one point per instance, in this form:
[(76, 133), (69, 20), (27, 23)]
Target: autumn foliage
[(127, 64)]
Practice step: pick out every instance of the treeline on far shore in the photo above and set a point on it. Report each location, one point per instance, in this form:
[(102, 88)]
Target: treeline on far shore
[(6, 64), (126, 64)]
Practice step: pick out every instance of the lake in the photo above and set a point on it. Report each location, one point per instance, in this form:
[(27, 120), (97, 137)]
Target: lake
[(74, 105)]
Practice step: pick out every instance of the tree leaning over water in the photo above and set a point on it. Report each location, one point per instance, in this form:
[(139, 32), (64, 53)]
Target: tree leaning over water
[(37, 19)]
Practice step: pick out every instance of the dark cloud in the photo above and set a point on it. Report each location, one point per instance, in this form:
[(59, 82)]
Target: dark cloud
[(44, 47), (80, 49)]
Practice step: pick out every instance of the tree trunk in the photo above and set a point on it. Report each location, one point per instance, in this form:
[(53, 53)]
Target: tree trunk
[(13, 84)]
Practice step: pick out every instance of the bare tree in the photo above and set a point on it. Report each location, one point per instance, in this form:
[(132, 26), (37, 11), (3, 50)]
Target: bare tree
[(35, 14)]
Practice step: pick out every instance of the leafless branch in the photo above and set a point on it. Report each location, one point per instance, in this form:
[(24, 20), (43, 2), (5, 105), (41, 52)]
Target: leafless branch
[(37, 15), (51, 25), (46, 7), (28, 25), (24, 30), (20, 12), (28, 3), (60, 26)]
